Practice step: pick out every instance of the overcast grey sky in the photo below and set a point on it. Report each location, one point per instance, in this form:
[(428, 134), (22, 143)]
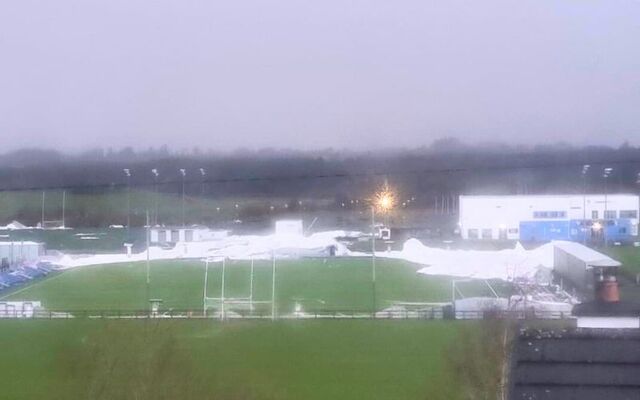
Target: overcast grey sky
[(313, 74)]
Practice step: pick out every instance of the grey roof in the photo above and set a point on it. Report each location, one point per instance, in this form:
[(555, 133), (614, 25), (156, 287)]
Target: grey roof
[(585, 365), (590, 256)]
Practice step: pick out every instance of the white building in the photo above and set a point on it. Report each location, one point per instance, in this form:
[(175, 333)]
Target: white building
[(24, 251), (162, 235), (293, 227), (548, 217)]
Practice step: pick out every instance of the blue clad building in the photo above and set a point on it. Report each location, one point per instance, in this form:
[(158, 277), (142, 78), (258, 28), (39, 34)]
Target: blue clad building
[(539, 218)]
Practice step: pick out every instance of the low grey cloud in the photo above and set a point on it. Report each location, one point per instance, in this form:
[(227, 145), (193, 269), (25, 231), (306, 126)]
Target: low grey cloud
[(290, 74)]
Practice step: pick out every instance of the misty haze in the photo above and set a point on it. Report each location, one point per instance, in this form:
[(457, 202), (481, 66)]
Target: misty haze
[(284, 74)]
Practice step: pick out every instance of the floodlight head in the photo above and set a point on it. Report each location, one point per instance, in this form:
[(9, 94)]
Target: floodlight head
[(202, 172), (597, 226), (183, 171), (585, 168), (155, 172), (127, 171), (384, 200)]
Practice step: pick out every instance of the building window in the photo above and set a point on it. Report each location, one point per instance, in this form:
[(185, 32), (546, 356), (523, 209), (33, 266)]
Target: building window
[(513, 231), (502, 234), (628, 213), (594, 214), (549, 214), (610, 214), (622, 230), (486, 234), (472, 233)]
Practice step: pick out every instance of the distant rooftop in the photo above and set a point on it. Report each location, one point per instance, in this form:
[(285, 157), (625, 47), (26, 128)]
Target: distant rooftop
[(545, 195), (19, 242)]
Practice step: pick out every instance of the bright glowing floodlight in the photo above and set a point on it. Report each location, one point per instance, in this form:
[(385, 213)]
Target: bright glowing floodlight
[(384, 200), (597, 226)]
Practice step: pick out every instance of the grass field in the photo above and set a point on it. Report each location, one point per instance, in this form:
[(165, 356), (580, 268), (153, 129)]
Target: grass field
[(186, 360), (629, 256), (109, 206), (247, 360), (337, 284)]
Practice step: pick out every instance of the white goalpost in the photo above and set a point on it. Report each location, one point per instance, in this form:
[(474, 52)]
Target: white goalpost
[(53, 223), (224, 303)]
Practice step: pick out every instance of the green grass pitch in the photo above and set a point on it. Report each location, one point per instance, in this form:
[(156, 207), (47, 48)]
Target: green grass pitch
[(200, 359), (333, 284), (237, 360)]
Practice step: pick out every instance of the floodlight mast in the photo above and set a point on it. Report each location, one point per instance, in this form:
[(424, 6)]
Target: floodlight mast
[(373, 259), (585, 169), (148, 237), (384, 201), (222, 291), (127, 173), (273, 286), (204, 294), (155, 173), (638, 183), (203, 174), (42, 218), (183, 172), (606, 173), (251, 286), (64, 201)]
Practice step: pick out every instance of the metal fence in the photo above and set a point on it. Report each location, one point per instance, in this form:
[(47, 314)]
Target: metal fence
[(430, 314)]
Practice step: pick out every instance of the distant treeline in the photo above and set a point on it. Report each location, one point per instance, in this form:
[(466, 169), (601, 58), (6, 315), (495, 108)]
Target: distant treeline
[(446, 168)]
